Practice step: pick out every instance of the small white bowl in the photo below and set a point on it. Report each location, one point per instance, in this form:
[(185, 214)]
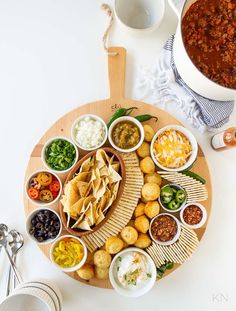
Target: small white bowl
[(204, 216), (139, 291), (44, 150), (130, 119), (181, 206), (80, 264), (36, 299), (139, 16), (37, 202), (28, 224), (95, 117), (190, 137), (51, 288), (175, 238)]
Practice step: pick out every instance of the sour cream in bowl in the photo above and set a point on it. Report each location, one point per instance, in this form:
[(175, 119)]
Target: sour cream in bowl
[(89, 132), (132, 272)]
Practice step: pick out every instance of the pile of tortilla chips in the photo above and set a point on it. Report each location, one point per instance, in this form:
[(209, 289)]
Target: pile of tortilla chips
[(92, 191)]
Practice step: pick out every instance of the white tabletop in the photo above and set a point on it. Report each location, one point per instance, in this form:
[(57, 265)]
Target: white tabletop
[(51, 61)]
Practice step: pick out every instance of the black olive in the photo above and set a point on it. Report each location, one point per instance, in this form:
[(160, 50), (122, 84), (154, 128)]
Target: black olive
[(32, 230), (39, 225), (57, 225)]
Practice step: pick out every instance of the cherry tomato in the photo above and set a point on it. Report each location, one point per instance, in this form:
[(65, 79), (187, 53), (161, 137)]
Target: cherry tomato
[(33, 193), (45, 196), (44, 178), (54, 186)]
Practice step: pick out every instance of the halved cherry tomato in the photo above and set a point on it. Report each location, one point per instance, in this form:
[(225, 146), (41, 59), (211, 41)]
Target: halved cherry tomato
[(44, 178), (54, 186), (33, 193), (45, 196)]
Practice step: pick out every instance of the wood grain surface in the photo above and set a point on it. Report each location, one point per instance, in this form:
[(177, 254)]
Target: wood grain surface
[(104, 109)]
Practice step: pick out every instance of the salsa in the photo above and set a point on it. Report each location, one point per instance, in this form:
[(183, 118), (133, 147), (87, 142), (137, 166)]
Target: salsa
[(164, 228), (192, 215), (209, 35), (126, 135)]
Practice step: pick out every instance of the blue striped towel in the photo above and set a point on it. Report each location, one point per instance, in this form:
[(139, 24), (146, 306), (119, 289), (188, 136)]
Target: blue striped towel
[(165, 84)]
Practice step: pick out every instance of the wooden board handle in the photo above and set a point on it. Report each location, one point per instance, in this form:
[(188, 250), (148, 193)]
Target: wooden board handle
[(116, 68)]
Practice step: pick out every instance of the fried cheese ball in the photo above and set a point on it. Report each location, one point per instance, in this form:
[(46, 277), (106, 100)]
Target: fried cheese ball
[(114, 245), (141, 223), (102, 259), (154, 178), (148, 133), (143, 241), (147, 165), (101, 273), (144, 150), (129, 235), (139, 209), (152, 209), (150, 191), (86, 272)]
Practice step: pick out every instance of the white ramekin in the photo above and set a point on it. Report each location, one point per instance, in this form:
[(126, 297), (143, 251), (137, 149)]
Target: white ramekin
[(204, 216), (175, 238), (130, 119), (80, 264), (28, 224), (181, 206), (139, 291), (190, 137), (36, 202), (44, 150), (93, 116)]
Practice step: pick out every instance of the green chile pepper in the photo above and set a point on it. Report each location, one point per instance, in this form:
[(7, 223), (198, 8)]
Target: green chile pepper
[(145, 117), (180, 196), (173, 205), (167, 194), (120, 113)]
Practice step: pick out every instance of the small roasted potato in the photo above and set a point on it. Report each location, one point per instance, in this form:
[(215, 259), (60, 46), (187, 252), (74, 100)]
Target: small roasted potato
[(147, 165), (150, 191), (144, 150), (139, 210), (154, 177), (101, 273), (152, 209), (141, 223), (148, 133), (114, 245), (102, 259), (143, 241), (86, 272), (129, 235)]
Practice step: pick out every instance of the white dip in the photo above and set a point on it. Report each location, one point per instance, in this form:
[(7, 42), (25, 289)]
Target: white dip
[(132, 270), (89, 132)]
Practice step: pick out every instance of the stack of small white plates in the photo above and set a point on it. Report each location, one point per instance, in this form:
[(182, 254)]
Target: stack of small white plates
[(37, 295)]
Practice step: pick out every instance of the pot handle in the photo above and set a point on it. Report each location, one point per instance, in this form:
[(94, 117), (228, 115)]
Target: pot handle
[(177, 6)]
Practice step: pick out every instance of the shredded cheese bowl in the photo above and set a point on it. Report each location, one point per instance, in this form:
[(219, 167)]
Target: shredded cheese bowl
[(68, 253), (174, 148), (132, 272)]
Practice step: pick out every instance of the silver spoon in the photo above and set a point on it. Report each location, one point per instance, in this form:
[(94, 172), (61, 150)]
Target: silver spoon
[(15, 245), (3, 231), (4, 235)]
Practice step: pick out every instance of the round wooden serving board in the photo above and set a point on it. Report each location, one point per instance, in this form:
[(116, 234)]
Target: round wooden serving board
[(104, 109)]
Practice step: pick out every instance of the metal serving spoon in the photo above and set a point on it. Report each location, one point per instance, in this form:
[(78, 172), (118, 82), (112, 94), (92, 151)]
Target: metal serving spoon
[(4, 235), (15, 245)]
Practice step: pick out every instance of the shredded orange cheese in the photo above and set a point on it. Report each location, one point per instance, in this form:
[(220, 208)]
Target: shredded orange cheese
[(172, 149)]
